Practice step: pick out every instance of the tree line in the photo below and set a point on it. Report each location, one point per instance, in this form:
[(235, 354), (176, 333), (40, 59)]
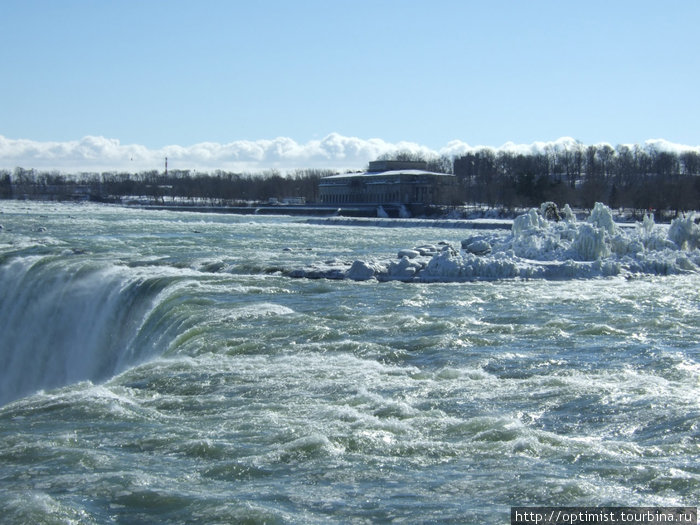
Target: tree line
[(637, 177), (183, 186)]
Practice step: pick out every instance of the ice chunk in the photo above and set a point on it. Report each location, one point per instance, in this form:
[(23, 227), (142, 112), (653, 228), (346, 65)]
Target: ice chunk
[(407, 252), (647, 226), (477, 245), (621, 245), (601, 217), (590, 243), (404, 270), (364, 271), (567, 214), (527, 222), (444, 266), (685, 232), (427, 249)]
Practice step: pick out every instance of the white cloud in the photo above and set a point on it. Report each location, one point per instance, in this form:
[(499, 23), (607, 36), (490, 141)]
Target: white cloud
[(334, 151), (671, 147)]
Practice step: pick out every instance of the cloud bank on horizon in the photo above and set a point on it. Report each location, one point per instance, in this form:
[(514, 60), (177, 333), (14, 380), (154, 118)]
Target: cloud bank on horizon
[(333, 152)]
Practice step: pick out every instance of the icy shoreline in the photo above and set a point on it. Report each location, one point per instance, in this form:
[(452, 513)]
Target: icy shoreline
[(466, 224), (544, 243)]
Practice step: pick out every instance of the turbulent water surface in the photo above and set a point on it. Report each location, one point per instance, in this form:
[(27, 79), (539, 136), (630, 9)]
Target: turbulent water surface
[(161, 367)]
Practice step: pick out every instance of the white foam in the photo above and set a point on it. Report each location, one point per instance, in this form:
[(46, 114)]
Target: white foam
[(261, 310)]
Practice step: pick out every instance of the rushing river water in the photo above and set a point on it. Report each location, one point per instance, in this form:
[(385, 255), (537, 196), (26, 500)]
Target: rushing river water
[(160, 367)]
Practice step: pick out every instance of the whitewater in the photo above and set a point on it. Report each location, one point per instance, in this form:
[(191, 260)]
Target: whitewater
[(171, 367)]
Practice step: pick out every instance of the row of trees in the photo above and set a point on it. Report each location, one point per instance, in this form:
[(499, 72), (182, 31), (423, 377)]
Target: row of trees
[(219, 188), (639, 178)]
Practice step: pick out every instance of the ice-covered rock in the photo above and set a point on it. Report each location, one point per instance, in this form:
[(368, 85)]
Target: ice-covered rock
[(444, 265), (567, 214), (408, 252), (427, 249), (590, 244), (403, 270), (364, 271), (621, 245), (447, 247), (477, 245), (601, 217), (685, 232), (527, 222), (651, 236), (646, 228)]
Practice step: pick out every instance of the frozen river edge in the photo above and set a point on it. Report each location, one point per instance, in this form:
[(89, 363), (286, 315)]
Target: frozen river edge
[(544, 243)]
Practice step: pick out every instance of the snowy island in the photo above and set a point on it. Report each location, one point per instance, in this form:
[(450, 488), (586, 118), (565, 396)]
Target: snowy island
[(544, 243)]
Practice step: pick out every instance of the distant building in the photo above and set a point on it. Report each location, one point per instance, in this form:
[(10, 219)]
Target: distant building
[(389, 182)]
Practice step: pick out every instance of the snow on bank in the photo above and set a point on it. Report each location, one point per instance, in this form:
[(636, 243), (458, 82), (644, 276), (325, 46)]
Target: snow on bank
[(384, 222), (544, 243)]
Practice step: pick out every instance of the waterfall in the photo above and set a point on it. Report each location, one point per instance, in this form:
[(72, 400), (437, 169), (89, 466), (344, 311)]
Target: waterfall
[(65, 319)]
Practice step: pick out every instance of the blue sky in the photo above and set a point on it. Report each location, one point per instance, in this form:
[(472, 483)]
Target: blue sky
[(81, 75)]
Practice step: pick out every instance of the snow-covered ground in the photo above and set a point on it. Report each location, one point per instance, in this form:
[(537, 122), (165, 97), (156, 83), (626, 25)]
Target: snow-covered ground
[(543, 243), (384, 222)]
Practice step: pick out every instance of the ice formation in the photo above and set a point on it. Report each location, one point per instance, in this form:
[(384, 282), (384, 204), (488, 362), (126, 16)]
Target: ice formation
[(544, 243)]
